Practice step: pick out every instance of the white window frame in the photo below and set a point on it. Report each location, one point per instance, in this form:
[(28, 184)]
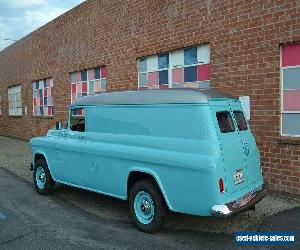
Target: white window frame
[(14, 95), (281, 96)]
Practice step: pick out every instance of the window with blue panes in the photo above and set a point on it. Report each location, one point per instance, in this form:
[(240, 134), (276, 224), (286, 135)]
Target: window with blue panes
[(43, 104), (163, 66), (290, 89), (190, 60), (154, 71), (187, 67), (88, 82), (190, 56)]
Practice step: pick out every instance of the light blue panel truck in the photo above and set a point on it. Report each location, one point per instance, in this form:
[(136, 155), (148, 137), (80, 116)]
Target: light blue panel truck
[(187, 150)]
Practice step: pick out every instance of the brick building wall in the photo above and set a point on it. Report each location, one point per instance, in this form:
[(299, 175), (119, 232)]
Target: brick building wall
[(244, 37)]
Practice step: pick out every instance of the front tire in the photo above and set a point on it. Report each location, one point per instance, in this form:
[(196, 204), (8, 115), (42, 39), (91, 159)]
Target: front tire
[(146, 206), (43, 182)]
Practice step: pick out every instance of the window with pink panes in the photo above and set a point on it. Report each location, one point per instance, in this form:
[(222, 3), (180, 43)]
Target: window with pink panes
[(88, 82), (290, 89)]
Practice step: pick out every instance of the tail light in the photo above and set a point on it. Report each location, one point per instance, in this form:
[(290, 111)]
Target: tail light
[(221, 185)]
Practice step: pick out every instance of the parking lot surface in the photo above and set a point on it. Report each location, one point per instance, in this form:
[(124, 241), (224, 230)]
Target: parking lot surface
[(37, 222)]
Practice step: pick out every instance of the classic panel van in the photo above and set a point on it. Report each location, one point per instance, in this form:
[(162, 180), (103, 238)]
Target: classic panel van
[(187, 150)]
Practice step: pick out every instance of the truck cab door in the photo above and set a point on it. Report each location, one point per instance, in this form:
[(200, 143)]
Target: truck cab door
[(68, 161)]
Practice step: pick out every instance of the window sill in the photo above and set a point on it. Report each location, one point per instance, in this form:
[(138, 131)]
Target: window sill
[(289, 140), (15, 116), (43, 117)]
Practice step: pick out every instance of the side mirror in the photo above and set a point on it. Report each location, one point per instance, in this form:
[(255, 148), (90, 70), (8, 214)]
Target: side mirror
[(58, 125)]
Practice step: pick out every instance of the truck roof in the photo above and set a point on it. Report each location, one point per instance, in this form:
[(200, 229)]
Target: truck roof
[(153, 96)]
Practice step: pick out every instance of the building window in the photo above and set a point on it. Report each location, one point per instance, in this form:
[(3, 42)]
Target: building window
[(188, 67), (43, 97), (14, 101), (0, 104), (290, 86), (88, 82)]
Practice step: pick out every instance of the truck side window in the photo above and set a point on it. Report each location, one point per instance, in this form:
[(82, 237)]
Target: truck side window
[(240, 120), (77, 120), (225, 122)]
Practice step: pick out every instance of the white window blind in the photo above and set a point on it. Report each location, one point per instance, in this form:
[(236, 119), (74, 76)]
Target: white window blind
[(14, 101)]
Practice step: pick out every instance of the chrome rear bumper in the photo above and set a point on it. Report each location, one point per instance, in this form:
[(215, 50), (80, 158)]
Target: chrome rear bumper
[(245, 203)]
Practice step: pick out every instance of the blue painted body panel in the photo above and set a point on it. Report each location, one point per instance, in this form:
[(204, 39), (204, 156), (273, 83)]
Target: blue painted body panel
[(180, 145)]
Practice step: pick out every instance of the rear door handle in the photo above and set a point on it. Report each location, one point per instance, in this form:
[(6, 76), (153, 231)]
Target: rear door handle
[(246, 148), (81, 137)]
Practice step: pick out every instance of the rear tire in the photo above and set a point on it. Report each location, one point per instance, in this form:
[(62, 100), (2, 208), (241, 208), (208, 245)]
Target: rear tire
[(43, 182), (146, 206)]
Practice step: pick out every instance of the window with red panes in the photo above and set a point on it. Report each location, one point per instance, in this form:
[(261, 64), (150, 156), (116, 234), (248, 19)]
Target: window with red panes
[(88, 82), (290, 86), (186, 67)]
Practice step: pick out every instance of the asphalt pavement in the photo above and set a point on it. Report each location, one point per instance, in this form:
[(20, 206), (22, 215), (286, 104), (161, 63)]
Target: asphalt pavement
[(38, 222), (31, 221)]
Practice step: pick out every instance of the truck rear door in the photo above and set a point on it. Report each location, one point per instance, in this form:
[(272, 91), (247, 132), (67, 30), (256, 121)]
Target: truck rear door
[(251, 152), (234, 160)]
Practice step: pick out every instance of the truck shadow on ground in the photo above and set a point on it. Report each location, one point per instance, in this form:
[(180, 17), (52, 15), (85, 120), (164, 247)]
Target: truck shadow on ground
[(114, 209)]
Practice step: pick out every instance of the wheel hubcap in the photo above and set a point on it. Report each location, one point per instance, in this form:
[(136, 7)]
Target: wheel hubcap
[(144, 207), (40, 177)]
